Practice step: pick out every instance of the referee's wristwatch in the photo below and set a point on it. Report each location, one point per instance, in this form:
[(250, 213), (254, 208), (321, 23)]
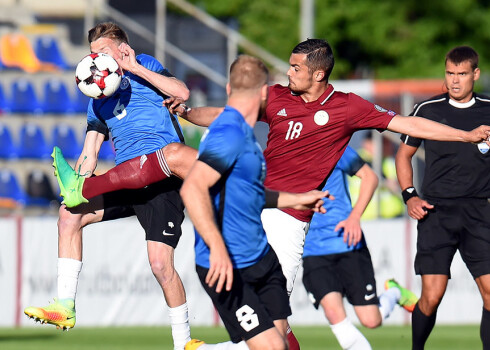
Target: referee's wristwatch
[(408, 193)]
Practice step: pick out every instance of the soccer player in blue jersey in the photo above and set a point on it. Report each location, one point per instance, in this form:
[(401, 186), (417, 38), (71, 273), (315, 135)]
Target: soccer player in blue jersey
[(224, 195), (139, 126), (337, 262)]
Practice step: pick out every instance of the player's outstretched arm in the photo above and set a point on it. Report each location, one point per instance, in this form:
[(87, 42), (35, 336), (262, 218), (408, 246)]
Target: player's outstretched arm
[(416, 206), (312, 200), (169, 86), (352, 225), (195, 194), (427, 129), (201, 116)]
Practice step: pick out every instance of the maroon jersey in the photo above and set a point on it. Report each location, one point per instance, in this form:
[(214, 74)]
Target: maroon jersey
[(306, 140)]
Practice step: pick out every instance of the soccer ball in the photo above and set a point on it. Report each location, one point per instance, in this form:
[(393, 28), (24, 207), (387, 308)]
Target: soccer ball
[(98, 75)]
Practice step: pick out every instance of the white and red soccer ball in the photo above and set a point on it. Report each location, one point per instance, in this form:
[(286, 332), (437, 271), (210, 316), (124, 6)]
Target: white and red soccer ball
[(98, 75)]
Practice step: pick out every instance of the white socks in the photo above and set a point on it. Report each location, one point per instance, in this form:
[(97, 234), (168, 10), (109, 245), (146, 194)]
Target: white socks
[(388, 300), (68, 271), (229, 345), (349, 336), (179, 320)]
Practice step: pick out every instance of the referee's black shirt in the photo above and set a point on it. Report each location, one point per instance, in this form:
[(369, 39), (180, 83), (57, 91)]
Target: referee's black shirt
[(455, 169)]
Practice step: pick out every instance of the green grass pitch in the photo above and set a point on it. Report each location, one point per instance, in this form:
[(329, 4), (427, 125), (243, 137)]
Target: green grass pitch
[(152, 338)]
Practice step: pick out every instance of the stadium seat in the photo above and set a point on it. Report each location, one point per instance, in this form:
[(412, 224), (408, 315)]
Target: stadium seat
[(4, 102), (10, 187), (24, 98), (56, 97), (32, 143), (81, 102), (39, 190), (107, 151), (47, 50), (8, 150), (64, 137), (16, 52)]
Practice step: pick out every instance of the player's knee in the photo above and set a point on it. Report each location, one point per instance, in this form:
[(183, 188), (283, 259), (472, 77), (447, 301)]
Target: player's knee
[(371, 321), (163, 271), (68, 222), (429, 303), (172, 153)]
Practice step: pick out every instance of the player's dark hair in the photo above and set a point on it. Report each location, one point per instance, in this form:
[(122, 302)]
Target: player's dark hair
[(248, 73), (108, 30), (319, 55), (462, 54)]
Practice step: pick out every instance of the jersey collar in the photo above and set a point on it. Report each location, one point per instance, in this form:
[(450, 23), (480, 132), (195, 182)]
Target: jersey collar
[(321, 100), (462, 105)]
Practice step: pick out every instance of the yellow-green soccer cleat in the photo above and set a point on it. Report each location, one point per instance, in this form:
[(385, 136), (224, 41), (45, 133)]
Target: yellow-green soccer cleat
[(70, 182), (407, 300), (193, 344), (61, 313)]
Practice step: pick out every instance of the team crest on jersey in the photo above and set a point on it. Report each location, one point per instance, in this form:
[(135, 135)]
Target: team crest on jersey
[(483, 147), (321, 118), (125, 83), (380, 109)]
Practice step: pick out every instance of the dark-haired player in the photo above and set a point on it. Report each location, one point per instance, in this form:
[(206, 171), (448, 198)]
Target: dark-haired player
[(454, 211)]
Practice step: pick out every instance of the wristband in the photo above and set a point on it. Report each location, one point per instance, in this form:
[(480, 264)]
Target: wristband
[(408, 193)]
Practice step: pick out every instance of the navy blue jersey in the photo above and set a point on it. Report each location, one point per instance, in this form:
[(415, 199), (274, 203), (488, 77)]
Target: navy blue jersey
[(229, 147), (134, 115), (321, 238)]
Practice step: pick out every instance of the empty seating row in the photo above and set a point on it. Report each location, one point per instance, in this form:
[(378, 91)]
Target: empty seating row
[(56, 98), (37, 192), (32, 143), (17, 52)]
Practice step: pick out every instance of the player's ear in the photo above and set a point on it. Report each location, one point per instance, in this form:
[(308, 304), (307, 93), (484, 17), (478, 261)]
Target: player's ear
[(319, 75), (264, 91), (476, 74), (228, 89)]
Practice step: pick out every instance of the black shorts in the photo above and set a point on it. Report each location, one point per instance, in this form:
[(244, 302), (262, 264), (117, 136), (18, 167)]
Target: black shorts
[(453, 224), (158, 207), (350, 274), (258, 297)]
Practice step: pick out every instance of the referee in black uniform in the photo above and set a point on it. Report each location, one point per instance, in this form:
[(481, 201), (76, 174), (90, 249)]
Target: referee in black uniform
[(455, 210)]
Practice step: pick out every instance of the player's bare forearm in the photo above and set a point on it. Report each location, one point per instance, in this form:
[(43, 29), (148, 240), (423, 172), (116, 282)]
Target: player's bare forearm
[(201, 116), (87, 162), (369, 183), (431, 130), (169, 86), (312, 200), (403, 164)]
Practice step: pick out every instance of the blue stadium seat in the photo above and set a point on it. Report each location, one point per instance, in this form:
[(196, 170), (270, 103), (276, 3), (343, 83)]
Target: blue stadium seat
[(32, 143), (10, 187), (4, 102), (81, 102), (106, 151), (39, 190), (64, 137), (24, 98), (47, 50), (8, 150), (56, 97)]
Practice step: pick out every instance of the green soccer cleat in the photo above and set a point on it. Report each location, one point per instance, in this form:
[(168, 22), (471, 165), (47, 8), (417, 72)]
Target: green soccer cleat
[(407, 300), (193, 344), (61, 313), (70, 182)]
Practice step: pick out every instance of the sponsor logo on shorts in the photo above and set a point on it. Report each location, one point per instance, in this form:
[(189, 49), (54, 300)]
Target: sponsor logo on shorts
[(165, 233), (369, 296)]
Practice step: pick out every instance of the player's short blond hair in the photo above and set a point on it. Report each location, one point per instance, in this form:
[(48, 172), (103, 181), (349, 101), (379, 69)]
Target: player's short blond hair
[(248, 73)]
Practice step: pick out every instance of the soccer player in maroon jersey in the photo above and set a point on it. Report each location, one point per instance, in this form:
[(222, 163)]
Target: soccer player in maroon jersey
[(310, 125)]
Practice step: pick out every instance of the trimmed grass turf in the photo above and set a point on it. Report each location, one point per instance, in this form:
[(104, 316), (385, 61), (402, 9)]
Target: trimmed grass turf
[(153, 338)]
